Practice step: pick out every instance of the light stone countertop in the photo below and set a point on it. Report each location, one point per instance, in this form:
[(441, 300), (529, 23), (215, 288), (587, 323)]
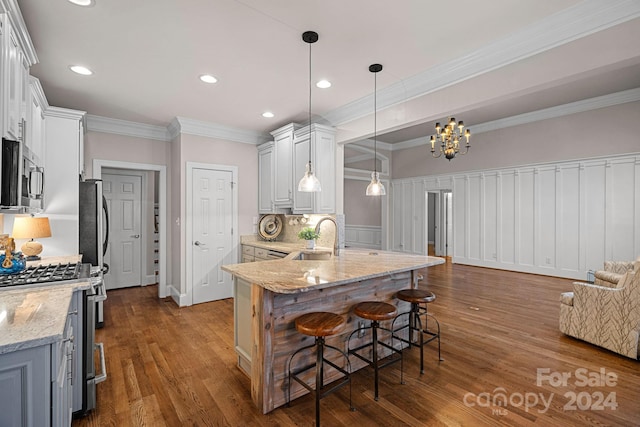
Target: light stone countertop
[(293, 276), (35, 315)]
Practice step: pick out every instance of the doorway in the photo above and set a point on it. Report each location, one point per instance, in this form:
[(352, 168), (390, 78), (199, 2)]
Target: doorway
[(440, 222), (160, 191), (211, 230)]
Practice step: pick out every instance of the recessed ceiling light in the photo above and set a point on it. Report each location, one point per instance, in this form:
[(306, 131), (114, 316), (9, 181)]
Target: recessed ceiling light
[(323, 84), (267, 114), (83, 2), (208, 78), (80, 70)]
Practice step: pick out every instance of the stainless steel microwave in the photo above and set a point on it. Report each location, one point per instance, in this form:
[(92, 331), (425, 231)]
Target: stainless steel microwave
[(32, 181), (21, 179)]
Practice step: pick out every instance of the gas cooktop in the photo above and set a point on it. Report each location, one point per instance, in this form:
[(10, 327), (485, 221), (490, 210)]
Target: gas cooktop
[(43, 274)]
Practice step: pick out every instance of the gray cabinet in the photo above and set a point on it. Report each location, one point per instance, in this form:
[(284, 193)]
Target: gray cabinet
[(36, 384), (323, 159), (266, 178), (282, 164), (25, 387)]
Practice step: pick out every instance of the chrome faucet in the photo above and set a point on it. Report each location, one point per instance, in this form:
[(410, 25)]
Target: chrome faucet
[(336, 250)]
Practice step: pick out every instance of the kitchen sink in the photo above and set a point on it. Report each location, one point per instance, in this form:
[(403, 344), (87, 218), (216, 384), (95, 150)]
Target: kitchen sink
[(313, 256)]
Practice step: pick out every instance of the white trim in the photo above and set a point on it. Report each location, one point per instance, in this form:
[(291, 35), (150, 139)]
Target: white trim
[(384, 160), (361, 231), (184, 125), (127, 128), (177, 297), (98, 164), (38, 92), (65, 113), (188, 219), (20, 28), (580, 20)]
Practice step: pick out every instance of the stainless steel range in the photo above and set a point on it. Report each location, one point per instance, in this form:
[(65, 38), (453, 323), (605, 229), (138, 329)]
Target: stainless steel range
[(46, 273), (84, 371)]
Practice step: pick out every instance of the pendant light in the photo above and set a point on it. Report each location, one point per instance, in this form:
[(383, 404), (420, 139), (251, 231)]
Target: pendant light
[(375, 187), (309, 182)]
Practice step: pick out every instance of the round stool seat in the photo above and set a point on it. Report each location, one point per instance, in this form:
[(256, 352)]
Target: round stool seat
[(415, 296), (373, 310), (320, 324)]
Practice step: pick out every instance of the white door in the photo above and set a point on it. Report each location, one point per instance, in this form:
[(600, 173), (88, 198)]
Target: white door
[(124, 254), (212, 235)]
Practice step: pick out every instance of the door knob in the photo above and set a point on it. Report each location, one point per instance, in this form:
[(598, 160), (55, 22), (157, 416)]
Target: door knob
[(197, 243), (135, 236)]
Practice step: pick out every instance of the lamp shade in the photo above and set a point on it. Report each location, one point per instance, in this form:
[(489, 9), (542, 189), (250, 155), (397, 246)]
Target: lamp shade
[(28, 227)]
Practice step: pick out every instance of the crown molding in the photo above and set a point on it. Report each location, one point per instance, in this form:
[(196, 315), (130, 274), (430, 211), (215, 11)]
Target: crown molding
[(184, 125), (631, 95), (127, 128), (626, 96), (19, 26), (65, 113), (369, 143), (580, 20), (38, 92)]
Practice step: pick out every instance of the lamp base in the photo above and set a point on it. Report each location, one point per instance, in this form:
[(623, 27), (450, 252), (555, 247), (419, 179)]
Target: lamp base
[(32, 250)]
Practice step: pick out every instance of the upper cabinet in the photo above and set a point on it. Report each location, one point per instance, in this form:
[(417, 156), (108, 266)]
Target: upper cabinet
[(320, 143), (282, 164), (266, 178), (17, 55), (35, 136)]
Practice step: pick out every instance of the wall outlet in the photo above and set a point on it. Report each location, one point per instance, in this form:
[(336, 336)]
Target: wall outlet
[(548, 260)]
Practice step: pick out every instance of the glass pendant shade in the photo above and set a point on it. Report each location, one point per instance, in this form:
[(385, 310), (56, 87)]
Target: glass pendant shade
[(309, 183), (375, 187)]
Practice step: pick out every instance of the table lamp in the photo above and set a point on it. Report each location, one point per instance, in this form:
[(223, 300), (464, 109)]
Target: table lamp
[(29, 227)]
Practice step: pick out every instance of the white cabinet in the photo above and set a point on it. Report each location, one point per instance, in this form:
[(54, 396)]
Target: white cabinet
[(63, 147), (282, 164), (266, 178), (35, 136), (14, 77), (323, 159)]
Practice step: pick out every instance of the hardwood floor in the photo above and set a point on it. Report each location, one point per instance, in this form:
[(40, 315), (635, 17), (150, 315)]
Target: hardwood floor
[(176, 366)]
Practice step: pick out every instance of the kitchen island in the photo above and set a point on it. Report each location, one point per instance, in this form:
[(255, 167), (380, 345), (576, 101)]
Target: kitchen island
[(269, 295)]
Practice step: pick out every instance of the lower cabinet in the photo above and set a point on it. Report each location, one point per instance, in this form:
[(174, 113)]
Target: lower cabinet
[(25, 385), (36, 384), (243, 338)]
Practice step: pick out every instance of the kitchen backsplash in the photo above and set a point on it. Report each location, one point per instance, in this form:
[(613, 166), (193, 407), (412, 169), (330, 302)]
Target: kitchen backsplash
[(292, 224)]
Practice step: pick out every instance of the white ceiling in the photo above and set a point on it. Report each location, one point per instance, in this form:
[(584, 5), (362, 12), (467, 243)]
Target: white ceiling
[(147, 55)]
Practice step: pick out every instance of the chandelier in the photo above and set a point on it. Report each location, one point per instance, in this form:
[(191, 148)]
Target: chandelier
[(448, 138)]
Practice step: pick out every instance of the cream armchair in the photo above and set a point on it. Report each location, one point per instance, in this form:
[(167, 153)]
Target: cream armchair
[(613, 272), (605, 316)]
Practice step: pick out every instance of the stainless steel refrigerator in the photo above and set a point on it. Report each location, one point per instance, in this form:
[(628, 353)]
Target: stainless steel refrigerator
[(94, 232)]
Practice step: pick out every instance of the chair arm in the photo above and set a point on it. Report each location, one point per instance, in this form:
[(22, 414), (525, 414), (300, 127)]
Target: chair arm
[(607, 278)]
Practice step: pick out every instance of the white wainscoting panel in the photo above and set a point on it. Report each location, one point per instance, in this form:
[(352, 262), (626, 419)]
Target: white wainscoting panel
[(560, 219), (363, 236), (507, 218)]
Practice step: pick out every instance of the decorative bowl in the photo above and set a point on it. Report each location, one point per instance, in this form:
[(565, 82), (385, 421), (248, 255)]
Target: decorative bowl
[(18, 263)]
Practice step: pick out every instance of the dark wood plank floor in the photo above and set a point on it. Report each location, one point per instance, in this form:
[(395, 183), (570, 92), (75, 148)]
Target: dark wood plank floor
[(176, 366)]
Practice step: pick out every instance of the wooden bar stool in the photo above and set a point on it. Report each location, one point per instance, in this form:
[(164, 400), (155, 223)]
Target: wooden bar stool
[(376, 312), (419, 299), (320, 325)]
